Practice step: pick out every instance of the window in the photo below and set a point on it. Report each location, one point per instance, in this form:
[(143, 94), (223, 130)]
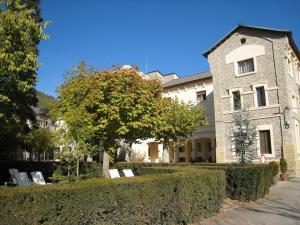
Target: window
[(199, 147), (209, 146), (265, 142), (261, 96), (199, 159), (246, 66), (243, 41), (40, 122), (201, 96), (297, 135), (181, 159), (236, 98), (181, 148)]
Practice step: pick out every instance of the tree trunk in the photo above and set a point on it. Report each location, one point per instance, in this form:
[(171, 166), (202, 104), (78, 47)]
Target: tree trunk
[(175, 151), (100, 154), (105, 164), (165, 153), (69, 168), (77, 167)]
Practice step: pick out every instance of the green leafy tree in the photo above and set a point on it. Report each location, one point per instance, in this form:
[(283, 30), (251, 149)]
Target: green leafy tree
[(74, 147), (101, 108), (175, 120), (19, 35), (34, 6), (39, 142), (243, 137)]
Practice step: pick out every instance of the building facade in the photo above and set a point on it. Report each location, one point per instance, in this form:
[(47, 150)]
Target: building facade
[(197, 89), (258, 69), (253, 68)]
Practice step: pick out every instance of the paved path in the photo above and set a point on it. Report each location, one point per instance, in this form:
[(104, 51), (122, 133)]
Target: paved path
[(280, 207)]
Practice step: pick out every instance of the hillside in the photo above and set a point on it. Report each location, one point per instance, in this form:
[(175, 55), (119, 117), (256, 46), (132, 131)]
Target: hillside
[(44, 100)]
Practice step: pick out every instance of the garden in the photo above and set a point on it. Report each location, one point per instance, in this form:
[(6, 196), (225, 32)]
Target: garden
[(97, 110), (158, 194)]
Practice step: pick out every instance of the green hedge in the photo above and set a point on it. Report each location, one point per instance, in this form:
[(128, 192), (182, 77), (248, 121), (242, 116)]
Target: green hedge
[(244, 182), (181, 197)]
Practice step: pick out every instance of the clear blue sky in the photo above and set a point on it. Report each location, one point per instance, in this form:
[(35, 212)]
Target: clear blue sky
[(170, 34)]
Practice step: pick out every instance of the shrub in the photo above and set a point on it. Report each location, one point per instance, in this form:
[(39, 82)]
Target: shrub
[(244, 182), (274, 167), (182, 197), (248, 183), (283, 165)]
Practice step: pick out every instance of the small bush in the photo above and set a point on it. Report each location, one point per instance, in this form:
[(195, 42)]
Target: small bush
[(274, 167), (182, 197), (283, 165), (248, 183)]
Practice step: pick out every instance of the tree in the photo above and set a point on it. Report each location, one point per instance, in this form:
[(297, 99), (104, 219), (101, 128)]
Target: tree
[(74, 147), (39, 142), (19, 35), (243, 137), (175, 120), (101, 108), (34, 6)]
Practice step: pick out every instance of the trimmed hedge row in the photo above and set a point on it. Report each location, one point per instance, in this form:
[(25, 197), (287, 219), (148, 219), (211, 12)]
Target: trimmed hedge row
[(182, 197), (244, 182), (248, 183)]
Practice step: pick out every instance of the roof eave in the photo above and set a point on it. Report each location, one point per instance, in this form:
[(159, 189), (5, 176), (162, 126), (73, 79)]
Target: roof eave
[(287, 32), (293, 45)]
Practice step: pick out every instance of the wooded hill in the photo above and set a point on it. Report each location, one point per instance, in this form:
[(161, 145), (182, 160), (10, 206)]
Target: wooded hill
[(44, 100)]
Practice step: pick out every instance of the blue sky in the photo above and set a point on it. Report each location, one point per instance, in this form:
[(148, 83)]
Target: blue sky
[(170, 35)]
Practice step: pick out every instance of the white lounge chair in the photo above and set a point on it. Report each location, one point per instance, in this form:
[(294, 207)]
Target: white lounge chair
[(24, 179), (38, 178), (14, 176), (113, 173), (128, 173), (19, 178)]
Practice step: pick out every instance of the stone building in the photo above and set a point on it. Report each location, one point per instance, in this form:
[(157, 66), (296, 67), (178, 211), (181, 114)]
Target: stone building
[(251, 67), (258, 69)]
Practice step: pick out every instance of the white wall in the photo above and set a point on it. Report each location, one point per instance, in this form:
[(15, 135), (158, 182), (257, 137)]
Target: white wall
[(187, 93)]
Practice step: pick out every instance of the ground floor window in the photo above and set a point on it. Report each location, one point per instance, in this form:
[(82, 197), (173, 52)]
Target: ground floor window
[(199, 147), (265, 142), (181, 148)]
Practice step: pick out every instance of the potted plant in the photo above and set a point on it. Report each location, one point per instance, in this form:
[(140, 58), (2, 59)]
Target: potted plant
[(283, 168), (275, 170)]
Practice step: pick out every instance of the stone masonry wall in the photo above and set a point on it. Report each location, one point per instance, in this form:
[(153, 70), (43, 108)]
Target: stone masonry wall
[(274, 76)]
